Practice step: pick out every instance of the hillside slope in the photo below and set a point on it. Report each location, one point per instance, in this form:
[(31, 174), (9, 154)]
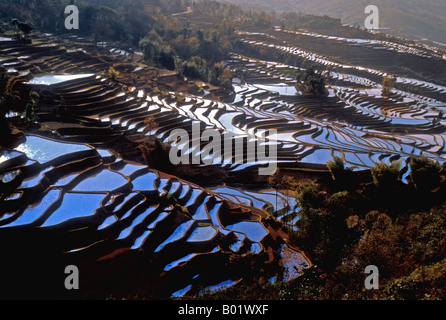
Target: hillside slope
[(421, 19)]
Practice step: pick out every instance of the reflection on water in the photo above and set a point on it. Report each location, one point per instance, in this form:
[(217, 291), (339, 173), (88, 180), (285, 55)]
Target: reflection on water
[(8, 154), (44, 150), (181, 292), (145, 182), (202, 234), (293, 262), (106, 180), (34, 212), (253, 230), (281, 88), (55, 79), (75, 205), (177, 234), (9, 176)]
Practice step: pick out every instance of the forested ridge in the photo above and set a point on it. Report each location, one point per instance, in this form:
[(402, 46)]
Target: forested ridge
[(422, 19)]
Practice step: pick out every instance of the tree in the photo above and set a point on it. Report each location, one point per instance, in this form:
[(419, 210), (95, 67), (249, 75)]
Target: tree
[(155, 153), (220, 76), (30, 109), (426, 235), (342, 176), (311, 82), (167, 58), (386, 175), (388, 84), (113, 73), (425, 174), (5, 130), (379, 245), (425, 282), (280, 181), (226, 79), (192, 68)]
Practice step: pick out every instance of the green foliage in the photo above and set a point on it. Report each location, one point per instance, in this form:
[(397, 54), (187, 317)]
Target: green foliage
[(220, 76), (425, 174), (379, 245), (407, 246), (310, 195), (231, 13), (155, 153), (193, 68), (30, 109), (427, 234), (386, 175), (388, 84), (336, 167), (166, 40), (322, 227), (297, 20), (113, 74), (311, 81), (343, 178), (392, 245), (194, 52), (425, 282)]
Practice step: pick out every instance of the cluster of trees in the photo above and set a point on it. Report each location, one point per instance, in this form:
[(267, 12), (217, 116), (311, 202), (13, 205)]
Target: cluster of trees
[(311, 82), (398, 227), (5, 130), (194, 53), (14, 98), (166, 40), (388, 84), (298, 20), (346, 225), (125, 21), (233, 13)]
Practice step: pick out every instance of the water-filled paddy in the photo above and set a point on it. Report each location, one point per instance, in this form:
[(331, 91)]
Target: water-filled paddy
[(35, 211), (252, 229), (202, 234), (75, 205), (44, 150), (56, 79), (104, 181)]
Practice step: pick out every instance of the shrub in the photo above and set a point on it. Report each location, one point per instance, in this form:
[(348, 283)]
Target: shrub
[(30, 109), (385, 175), (425, 282), (310, 196), (387, 85), (312, 82), (342, 176), (425, 174), (336, 167), (113, 73), (155, 153)]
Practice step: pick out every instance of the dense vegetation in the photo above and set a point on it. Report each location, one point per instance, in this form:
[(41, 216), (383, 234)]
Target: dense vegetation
[(17, 99), (423, 19), (346, 225), (156, 27), (311, 82)]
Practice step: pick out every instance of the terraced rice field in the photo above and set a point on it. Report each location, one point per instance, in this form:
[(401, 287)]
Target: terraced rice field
[(138, 232), (356, 122), (98, 207)]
